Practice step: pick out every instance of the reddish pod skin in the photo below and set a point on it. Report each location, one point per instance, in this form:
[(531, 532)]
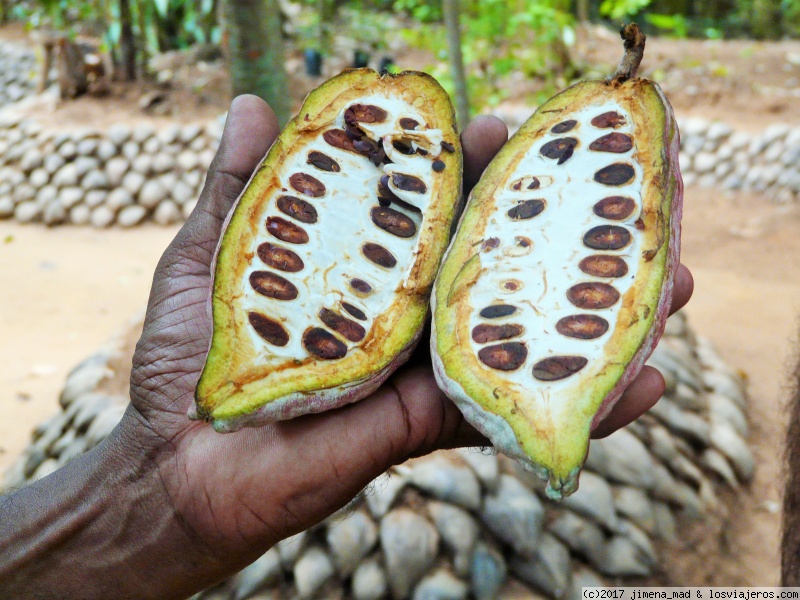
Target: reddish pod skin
[(549, 434)]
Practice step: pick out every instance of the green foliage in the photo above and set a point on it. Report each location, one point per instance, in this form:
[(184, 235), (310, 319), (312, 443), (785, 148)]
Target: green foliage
[(672, 25), (619, 9), (420, 10), (502, 39)]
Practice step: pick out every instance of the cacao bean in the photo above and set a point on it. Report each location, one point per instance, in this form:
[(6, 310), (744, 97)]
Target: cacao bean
[(527, 209), (354, 311), (299, 209), (583, 327), (269, 329), (560, 149), (564, 126), (448, 146), (280, 258), (341, 325), (286, 231), (384, 191), (558, 367), (323, 344), (496, 311), (593, 295), (609, 120), (272, 285), (393, 221), (403, 148), (338, 138), (323, 161), (306, 184), (607, 237), (360, 286), (615, 142), (408, 123), (364, 113), (504, 357), (615, 174), (485, 333), (604, 265), (379, 255), (512, 285), (529, 183), (438, 166), (490, 244), (615, 208), (409, 183)]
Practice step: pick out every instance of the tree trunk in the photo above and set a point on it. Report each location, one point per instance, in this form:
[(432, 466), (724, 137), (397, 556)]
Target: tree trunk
[(255, 53), (127, 44), (582, 8), (450, 8)]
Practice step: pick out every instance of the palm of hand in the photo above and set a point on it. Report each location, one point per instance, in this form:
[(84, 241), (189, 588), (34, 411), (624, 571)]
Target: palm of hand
[(241, 492)]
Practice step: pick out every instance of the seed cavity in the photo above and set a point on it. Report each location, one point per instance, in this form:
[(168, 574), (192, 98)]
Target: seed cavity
[(408, 123), (497, 311), (323, 344), (593, 295), (341, 325), (360, 286), (560, 149), (272, 285), (393, 221), (522, 247), (338, 138), (269, 329), (490, 244), (504, 357), (558, 367), (438, 166), (530, 182), (297, 209), (511, 285), (379, 255), (354, 311), (323, 161), (607, 237), (280, 258), (616, 208), (582, 327), (409, 183), (364, 113), (609, 120), (286, 231), (403, 148), (484, 333), (615, 174), (604, 265), (527, 209), (564, 126), (615, 142)]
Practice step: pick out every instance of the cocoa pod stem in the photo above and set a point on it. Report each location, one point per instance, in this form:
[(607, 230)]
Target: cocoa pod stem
[(634, 41)]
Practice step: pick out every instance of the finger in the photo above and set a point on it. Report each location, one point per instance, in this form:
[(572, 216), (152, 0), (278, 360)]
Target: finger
[(481, 140), (640, 397), (250, 130), (684, 286)]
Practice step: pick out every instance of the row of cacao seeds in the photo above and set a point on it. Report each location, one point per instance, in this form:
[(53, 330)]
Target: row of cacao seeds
[(124, 175), (471, 523)]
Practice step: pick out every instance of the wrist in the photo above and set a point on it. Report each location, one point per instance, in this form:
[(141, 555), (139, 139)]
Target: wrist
[(103, 526)]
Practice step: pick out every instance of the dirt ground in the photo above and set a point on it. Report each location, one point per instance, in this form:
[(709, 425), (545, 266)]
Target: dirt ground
[(66, 290)]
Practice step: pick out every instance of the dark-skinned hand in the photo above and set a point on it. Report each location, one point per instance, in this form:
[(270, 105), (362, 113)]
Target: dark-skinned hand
[(167, 506)]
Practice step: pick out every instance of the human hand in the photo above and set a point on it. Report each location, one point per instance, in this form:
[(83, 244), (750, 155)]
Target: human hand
[(185, 506)]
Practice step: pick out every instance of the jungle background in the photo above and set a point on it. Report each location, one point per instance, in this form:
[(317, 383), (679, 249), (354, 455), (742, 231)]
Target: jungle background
[(738, 61)]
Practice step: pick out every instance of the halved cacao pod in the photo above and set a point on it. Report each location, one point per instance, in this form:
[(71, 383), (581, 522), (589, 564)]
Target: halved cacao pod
[(558, 283), (324, 271)]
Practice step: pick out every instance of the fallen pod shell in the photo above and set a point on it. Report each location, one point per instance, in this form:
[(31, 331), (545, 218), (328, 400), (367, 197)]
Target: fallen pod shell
[(536, 347), (323, 274)]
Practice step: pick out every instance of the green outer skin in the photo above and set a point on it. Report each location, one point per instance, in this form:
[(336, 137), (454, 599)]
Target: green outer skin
[(553, 442), (231, 397)]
